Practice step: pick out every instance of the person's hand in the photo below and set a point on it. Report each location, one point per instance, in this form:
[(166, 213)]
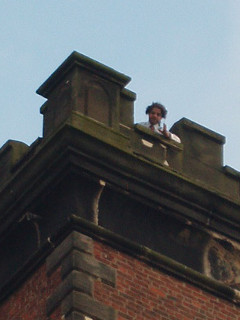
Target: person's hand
[(165, 132)]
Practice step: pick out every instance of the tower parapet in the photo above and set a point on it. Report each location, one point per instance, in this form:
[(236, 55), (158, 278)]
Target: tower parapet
[(99, 194)]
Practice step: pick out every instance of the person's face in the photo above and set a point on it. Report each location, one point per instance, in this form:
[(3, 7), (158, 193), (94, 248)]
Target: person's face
[(155, 116)]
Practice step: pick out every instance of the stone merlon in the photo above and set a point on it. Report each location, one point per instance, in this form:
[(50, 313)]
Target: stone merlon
[(91, 151)]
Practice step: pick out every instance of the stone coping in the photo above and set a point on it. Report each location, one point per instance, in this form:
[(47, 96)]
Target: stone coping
[(79, 59)]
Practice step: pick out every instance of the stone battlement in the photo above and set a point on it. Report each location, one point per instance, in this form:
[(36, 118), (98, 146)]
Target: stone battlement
[(93, 162)]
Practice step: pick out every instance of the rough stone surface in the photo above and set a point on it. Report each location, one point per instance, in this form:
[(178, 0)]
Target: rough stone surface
[(87, 263), (85, 304), (74, 240), (74, 281)]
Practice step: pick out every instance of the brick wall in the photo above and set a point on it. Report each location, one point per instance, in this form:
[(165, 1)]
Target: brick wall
[(28, 302), (145, 293), (84, 279)]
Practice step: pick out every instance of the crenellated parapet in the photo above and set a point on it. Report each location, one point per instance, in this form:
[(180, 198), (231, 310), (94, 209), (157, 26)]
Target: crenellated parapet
[(129, 185)]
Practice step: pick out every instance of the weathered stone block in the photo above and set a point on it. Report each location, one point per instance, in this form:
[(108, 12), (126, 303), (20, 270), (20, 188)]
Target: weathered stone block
[(74, 281), (80, 261), (81, 302), (75, 240)]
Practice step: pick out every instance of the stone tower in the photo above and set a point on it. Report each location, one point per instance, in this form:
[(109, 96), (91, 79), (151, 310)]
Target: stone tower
[(101, 219)]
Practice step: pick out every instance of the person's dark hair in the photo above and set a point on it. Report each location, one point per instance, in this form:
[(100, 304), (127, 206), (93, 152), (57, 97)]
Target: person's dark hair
[(159, 106)]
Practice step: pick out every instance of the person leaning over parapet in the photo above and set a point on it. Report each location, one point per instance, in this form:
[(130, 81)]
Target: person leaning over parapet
[(156, 112)]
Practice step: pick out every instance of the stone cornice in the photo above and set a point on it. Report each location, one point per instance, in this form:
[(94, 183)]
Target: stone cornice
[(110, 157)]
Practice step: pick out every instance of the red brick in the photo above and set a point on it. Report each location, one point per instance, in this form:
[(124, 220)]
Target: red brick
[(148, 294)]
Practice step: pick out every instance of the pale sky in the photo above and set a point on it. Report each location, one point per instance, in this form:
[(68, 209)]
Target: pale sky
[(182, 53)]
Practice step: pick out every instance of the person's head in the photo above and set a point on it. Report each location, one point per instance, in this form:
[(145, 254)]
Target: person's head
[(156, 111)]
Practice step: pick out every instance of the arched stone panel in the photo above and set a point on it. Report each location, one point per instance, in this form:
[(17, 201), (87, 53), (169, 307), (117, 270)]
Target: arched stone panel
[(97, 103)]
